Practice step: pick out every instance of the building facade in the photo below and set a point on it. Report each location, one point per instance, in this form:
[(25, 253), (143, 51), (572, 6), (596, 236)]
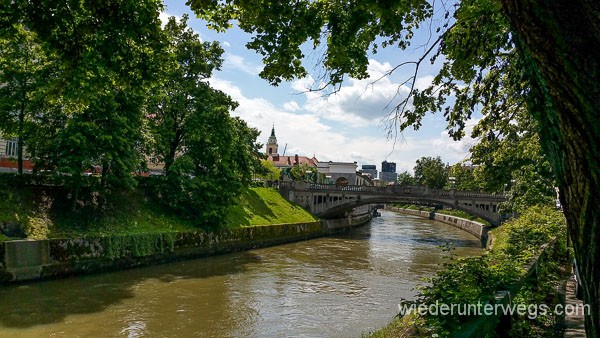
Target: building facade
[(388, 167), (282, 161), (338, 173), (388, 172), (8, 156), (369, 169)]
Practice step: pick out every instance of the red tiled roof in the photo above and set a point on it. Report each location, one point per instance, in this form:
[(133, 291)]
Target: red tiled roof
[(288, 161)]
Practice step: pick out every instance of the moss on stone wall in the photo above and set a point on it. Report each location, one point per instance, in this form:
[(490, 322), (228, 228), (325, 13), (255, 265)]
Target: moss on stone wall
[(98, 254), (141, 245), (138, 245)]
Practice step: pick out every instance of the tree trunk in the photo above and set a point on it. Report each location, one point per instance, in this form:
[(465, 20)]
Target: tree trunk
[(173, 146), (560, 41), (20, 155), (20, 139)]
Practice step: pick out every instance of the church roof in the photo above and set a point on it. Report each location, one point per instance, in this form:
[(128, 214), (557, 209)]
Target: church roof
[(289, 161)]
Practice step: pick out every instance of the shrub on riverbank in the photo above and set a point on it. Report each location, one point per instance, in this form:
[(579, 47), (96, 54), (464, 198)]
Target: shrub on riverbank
[(471, 280), (44, 212)]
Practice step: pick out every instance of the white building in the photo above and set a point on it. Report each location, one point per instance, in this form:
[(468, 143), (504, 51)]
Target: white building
[(338, 173)]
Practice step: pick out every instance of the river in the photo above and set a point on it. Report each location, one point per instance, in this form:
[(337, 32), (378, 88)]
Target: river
[(337, 286)]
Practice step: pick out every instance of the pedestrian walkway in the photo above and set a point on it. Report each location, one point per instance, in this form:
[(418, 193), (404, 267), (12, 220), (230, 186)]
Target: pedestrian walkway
[(574, 323)]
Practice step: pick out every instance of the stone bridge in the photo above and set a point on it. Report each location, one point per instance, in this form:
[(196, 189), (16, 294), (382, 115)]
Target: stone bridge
[(330, 201)]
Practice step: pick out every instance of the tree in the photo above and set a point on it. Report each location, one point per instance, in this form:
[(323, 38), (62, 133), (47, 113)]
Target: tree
[(431, 172), (462, 177), (107, 52), (405, 178), (269, 171), (303, 172), (184, 86), (220, 157), (542, 52), (556, 41), (24, 69), (209, 156), (512, 160)]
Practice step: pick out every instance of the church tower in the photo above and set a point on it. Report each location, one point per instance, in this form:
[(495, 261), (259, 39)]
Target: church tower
[(272, 143)]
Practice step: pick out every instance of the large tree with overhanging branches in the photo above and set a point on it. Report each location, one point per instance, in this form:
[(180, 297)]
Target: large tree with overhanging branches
[(502, 58)]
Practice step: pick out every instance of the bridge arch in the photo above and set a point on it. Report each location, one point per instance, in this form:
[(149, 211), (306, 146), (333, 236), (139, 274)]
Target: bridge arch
[(340, 210), (341, 182), (329, 201)]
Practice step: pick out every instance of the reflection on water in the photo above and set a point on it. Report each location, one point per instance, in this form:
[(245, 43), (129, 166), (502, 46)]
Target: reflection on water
[(339, 286)]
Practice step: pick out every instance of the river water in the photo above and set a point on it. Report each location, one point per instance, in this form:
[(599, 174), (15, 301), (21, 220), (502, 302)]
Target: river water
[(338, 286)]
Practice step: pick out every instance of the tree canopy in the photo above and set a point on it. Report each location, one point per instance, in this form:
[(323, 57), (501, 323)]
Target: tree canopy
[(431, 172), (100, 88), (25, 68)]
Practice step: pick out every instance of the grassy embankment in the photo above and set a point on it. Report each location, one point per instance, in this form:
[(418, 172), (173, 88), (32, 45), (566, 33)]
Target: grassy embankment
[(43, 217)]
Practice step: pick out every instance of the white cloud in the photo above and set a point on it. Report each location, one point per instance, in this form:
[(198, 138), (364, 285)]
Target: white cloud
[(448, 146), (361, 102), (164, 17), (291, 106), (238, 62), (306, 133), (423, 82)]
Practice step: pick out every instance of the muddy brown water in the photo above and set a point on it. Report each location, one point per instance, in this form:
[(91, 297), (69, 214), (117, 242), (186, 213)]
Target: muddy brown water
[(338, 286)]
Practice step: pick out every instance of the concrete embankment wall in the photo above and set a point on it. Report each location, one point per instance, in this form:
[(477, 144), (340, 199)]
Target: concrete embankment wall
[(476, 229), (26, 260)]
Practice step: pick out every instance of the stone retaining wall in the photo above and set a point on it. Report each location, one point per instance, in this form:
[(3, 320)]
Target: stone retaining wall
[(31, 260), (476, 229)]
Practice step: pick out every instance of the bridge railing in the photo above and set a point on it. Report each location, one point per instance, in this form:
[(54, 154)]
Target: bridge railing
[(391, 190)]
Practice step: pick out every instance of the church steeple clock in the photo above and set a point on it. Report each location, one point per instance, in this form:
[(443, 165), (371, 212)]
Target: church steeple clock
[(272, 143)]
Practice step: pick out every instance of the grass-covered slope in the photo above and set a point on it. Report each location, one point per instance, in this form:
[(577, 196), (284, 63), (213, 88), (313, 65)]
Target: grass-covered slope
[(44, 214), (263, 206)]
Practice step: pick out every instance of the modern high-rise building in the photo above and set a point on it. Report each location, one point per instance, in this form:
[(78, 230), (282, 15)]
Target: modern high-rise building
[(388, 167), (388, 172), (370, 169)]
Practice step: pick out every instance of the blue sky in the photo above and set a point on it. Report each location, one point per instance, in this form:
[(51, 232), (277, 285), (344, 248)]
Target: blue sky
[(348, 126)]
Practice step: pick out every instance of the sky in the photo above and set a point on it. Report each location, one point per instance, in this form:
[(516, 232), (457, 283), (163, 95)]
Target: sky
[(349, 126)]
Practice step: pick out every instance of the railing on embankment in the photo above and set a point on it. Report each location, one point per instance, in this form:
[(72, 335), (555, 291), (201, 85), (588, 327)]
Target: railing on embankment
[(499, 322)]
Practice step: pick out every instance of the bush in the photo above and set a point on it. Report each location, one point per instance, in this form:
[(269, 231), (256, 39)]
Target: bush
[(476, 279)]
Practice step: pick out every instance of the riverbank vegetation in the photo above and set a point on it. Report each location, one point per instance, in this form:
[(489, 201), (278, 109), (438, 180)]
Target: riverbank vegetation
[(112, 98), (470, 280), (43, 212)]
